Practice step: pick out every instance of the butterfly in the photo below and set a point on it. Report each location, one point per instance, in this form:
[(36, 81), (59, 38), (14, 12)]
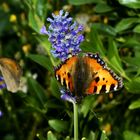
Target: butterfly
[(87, 74), (11, 73)]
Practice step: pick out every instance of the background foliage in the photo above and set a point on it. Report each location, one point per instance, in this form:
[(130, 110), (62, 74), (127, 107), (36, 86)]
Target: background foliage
[(36, 112)]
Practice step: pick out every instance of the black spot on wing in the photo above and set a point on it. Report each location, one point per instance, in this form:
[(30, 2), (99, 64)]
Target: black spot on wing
[(112, 87), (68, 75), (69, 85), (103, 89), (59, 78), (64, 82), (97, 79), (95, 89)]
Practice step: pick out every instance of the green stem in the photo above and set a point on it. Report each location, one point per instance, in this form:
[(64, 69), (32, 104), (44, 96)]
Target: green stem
[(75, 107)]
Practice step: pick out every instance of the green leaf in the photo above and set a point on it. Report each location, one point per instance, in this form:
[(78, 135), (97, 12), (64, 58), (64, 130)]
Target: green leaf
[(37, 13), (54, 88), (88, 103), (114, 60), (51, 136), (42, 60), (131, 42), (126, 24), (113, 56), (33, 104), (54, 105), (133, 86), (92, 136), (87, 46), (130, 3), (135, 104), (103, 136), (59, 125), (102, 8), (44, 42), (83, 138), (34, 21), (96, 42), (68, 138), (132, 61), (81, 2), (37, 91), (4, 23), (41, 8), (41, 137), (103, 28), (137, 29), (129, 135), (9, 137)]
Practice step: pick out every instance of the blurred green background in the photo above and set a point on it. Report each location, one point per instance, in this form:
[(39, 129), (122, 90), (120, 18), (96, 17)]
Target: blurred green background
[(36, 112)]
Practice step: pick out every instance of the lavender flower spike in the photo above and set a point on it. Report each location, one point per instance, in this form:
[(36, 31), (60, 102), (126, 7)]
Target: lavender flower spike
[(64, 35)]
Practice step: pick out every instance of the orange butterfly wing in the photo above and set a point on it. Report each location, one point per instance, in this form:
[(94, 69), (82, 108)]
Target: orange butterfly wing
[(104, 79), (63, 73)]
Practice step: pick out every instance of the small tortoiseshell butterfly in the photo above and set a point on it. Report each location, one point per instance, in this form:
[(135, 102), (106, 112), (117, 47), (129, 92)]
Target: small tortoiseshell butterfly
[(87, 74)]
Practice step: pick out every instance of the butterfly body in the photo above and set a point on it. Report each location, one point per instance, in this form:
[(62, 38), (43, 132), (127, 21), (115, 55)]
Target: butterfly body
[(87, 74)]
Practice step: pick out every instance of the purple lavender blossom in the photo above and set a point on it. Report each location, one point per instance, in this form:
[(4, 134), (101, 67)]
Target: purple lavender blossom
[(64, 35), (66, 95), (2, 84), (1, 113)]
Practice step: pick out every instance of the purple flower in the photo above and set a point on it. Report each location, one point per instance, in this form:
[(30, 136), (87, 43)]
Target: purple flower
[(66, 95), (2, 84), (1, 113), (43, 30), (64, 35)]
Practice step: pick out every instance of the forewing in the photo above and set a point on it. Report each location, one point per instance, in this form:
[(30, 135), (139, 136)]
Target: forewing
[(103, 79), (63, 73)]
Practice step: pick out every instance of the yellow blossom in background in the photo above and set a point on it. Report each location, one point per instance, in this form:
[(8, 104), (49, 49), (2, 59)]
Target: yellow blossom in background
[(5, 7), (26, 48), (13, 18), (105, 20), (107, 128)]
